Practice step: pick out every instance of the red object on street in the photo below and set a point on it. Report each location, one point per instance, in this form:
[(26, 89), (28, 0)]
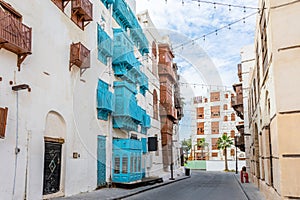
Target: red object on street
[(244, 175)]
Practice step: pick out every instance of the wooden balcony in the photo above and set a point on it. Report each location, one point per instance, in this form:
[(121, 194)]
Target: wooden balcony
[(82, 12), (166, 70), (167, 109), (15, 36), (79, 56)]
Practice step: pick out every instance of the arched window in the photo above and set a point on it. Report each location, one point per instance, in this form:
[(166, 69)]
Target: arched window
[(154, 59), (225, 107), (155, 105)]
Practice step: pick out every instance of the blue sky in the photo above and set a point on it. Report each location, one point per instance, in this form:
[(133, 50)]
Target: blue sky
[(209, 62)]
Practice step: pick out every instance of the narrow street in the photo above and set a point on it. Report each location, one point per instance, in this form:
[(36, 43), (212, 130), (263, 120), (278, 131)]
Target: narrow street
[(201, 185)]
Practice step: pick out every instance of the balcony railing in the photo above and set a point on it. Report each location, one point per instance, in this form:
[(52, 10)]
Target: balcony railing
[(123, 14), (105, 100), (15, 36), (166, 70), (105, 48), (82, 11), (169, 110), (79, 56)]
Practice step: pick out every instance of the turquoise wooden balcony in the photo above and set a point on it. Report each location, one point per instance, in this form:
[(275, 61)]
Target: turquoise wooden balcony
[(123, 55), (146, 122), (107, 3), (123, 14), (127, 113), (144, 84), (139, 38), (105, 101), (127, 160), (105, 48)]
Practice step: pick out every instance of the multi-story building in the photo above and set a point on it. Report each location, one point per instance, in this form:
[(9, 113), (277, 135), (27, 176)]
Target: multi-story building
[(214, 117), (273, 103), (170, 104), (76, 103)]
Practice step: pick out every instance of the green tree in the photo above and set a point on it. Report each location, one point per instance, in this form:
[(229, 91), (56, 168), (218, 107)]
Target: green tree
[(201, 143), (186, 145), (223, 143)]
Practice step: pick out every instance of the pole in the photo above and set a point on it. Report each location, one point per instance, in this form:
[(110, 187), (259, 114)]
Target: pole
[(171, 166), (236, 160)]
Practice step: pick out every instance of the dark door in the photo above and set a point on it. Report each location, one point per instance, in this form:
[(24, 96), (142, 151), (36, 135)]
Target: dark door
[(52, 167), (101, 161)]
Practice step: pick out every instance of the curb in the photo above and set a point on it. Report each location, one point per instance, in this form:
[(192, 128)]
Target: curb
[(150, 188), (242, 188)]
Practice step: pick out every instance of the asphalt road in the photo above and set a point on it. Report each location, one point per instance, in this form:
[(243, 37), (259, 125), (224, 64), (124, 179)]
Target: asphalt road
[(201, 186)]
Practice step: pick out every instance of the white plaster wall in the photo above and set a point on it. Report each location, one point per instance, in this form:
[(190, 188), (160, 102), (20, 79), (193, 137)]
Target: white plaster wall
[(219, 165)]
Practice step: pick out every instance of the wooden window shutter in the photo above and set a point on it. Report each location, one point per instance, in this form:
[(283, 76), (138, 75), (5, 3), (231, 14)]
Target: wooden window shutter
[(3, 119)]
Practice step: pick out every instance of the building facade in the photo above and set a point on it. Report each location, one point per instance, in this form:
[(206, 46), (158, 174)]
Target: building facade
[(273, 103), (78, 96), (214, 117)]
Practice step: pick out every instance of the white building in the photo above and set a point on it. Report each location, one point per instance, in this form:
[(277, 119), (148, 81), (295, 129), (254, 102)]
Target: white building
[(214, 117), (58, 82)]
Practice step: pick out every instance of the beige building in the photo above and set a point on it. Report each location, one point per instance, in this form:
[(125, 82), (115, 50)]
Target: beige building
[(273, 104)]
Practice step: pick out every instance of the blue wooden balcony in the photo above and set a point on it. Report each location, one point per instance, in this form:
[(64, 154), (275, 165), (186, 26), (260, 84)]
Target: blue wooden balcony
[(107, 3), (127, 160), (139, 38), (123, 14), (146, 122), (127, 113), (105, 48), (144, 84), (105, 101), (123, 55)]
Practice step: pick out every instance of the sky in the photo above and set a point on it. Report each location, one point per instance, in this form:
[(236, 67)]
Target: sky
[(204, 64)]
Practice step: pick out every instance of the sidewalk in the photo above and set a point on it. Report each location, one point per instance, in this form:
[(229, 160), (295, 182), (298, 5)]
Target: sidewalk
[(118, 193), (250, 190)]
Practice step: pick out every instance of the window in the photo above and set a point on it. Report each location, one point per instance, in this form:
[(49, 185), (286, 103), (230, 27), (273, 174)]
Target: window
[(117, 165), (205, 100), (264, 44), (214, 145), (214, 154), (154, 59), (232, 152), (3, 119), (226, 96), (225, 107), (215, 111), (214, 96), (215, 127), (200, 113), (200, 128), (124, 165), (232, 133), (225, 118), (232, 117)]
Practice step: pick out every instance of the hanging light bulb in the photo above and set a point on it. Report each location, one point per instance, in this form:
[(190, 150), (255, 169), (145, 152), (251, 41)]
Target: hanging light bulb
[(244, 21), (182, 2), (216, 32), (244, 9), (199, 3), (203, 37), (215, 5), (229, 26), (166, 1), (229, 7)]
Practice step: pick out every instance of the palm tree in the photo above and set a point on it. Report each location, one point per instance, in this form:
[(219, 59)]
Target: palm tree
[(201, 143), (223, 143)]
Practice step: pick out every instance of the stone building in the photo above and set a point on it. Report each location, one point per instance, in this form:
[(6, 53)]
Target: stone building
[(273, 102)]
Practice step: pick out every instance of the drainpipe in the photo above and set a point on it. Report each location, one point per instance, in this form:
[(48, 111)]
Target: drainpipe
[(16, 88)]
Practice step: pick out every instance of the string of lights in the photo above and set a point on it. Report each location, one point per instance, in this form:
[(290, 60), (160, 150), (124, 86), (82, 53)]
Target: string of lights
[(228, 26), (215, 4)]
